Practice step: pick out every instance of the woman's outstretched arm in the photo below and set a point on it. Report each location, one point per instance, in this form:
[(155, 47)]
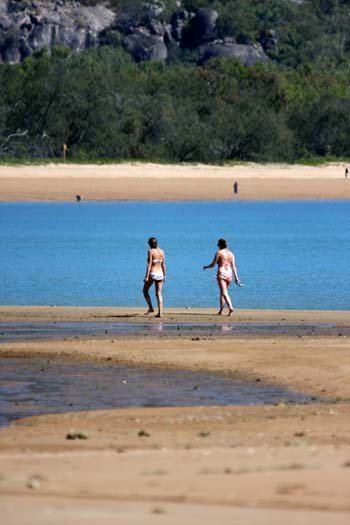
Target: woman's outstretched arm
[(234, 269), (213, 263)]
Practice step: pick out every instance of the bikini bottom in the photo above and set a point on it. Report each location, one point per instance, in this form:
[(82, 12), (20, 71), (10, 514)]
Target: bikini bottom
[(226, 275), (157, 276)]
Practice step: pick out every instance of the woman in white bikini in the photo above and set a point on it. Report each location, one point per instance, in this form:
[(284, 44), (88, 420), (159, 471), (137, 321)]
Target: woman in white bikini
[(155, 273), (226, 271)]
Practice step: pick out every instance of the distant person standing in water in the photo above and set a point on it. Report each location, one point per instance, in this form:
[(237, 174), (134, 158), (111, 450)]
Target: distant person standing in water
[(225, 260), (155, 273)]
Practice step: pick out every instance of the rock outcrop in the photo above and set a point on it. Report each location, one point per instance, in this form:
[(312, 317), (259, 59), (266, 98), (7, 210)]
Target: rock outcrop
[(144, 46), (200, 29), (28, 26), (247, 54)]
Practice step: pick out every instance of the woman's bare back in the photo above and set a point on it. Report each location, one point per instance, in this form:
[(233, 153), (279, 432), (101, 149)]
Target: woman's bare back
[(157, 258), (224, 258)]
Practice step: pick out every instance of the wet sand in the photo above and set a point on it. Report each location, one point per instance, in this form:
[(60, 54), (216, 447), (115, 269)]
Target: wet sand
[(116, 314), (250, 464), (145, 181)]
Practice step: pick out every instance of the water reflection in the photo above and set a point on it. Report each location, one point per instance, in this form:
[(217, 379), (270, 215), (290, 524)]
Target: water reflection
[(226, 328), (30, 331)]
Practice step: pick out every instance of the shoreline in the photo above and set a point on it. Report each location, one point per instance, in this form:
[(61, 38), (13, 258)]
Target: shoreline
[(153, 182), (33, 323), (125, 314)]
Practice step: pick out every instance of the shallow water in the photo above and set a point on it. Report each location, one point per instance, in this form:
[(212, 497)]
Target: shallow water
[(59, 330), (35, 386), (290, 255)]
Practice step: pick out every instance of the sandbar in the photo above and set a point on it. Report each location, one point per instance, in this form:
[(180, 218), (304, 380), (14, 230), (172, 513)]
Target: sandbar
[(251, 464), (164, 182)]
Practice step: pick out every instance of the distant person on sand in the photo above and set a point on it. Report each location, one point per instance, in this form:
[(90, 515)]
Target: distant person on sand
[(346, 173), (235, 187), (155, 273), (225, 260)]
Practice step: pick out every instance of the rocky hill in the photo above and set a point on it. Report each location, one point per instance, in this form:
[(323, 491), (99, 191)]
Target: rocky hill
[(28, 26), (79, 79)]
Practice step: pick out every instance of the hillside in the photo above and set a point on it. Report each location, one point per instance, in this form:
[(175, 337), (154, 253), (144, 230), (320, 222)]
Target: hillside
[(190, 80), (288, 32)]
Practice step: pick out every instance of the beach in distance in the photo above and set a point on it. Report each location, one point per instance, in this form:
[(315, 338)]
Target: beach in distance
[(146, 181)]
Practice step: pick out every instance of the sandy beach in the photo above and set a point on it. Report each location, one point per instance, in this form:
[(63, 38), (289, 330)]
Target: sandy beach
[(206, 464), (145, 181)]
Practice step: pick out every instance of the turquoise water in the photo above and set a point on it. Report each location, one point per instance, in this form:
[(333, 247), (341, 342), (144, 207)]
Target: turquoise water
[(293, 255)]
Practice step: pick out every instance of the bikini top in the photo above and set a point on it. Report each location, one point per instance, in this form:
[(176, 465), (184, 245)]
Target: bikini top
[(155, 261)]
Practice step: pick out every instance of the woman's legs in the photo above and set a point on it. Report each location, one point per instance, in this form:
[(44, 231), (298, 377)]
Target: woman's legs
[(159, 287), (146, 294), (224, 296), (222, 302)]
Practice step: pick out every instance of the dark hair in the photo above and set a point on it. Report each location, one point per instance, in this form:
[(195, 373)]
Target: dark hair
[(222, 243), (153, 243)]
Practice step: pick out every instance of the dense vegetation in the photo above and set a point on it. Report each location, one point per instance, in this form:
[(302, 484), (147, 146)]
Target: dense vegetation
[(105, 106)]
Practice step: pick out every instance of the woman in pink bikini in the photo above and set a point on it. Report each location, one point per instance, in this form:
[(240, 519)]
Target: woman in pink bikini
[(155, 273), (225, 260)]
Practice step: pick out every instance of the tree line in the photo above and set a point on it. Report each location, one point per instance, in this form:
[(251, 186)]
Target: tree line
[(103, 106)]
